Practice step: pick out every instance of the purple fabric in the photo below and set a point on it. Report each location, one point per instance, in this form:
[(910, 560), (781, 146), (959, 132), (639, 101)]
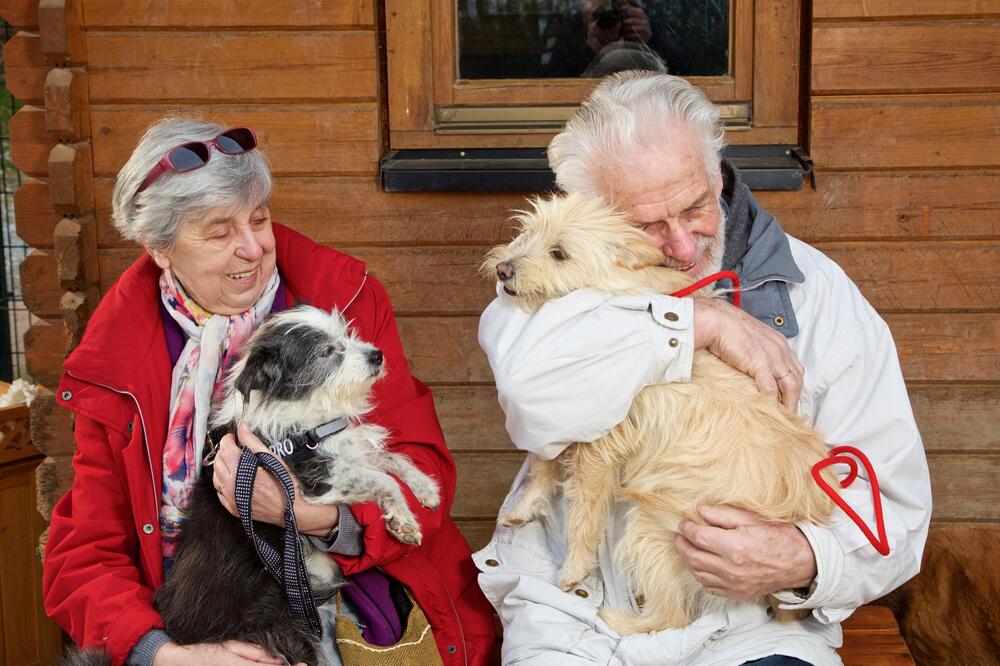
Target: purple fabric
[(368, 590), (380, 621)]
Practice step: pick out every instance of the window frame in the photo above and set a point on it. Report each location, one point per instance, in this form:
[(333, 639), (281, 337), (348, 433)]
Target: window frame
[(429, 108)]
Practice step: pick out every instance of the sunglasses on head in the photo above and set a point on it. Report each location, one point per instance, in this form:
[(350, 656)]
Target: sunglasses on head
[(196, 154)]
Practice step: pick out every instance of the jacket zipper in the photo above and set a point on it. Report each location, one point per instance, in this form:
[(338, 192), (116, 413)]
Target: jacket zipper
[(145, 438)]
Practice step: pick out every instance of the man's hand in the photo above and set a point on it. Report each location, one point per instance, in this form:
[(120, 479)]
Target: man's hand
[(739, 556), (749, 346), (230, 653), (268, 495)]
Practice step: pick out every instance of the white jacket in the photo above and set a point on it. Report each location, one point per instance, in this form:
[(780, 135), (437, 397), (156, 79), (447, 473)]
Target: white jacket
[(569, 373)]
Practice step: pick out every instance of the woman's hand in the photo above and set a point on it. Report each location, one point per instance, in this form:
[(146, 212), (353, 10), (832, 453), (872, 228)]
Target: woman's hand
[(268, 495), (230, 653), (749, 346)]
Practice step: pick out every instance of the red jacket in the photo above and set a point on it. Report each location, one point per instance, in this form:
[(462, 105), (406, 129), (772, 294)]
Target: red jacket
[(103, 558)]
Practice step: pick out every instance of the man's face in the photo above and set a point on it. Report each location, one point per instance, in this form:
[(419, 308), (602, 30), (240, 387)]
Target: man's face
[(667, 192)]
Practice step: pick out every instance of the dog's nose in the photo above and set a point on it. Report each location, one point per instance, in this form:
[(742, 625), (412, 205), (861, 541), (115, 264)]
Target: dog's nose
[(505, 271), (375, 357)]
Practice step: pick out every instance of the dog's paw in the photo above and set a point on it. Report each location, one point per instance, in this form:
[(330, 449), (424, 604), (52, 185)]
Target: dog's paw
[(572, 574), (523, 512), (405, 529), (427, 493)]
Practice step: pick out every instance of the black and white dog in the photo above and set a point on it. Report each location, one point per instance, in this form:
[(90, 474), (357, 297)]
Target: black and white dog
[(304, 377)]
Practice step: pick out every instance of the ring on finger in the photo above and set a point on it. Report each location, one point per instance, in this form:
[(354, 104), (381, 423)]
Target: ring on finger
[(783, 376)]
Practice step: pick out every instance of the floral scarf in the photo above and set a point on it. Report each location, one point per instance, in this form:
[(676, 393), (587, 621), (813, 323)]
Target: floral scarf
[(213, 345)]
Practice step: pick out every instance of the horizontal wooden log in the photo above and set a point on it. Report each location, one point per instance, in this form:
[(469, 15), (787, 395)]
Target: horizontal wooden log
[(901, 8), (36, 219), (471, 418), (965, 486), (952, 275), (912, 131), (304, 139), (476, 531), (40, 284), (188, 14), (958, 417), (354, 211), (20, 13), (169, 66), (910, 276), (483, 482), (932, 347), (872, 57), (44, 351), (948, 347), (51, 426), (30, 142), (66, 105), (25, 67), (881, 206)]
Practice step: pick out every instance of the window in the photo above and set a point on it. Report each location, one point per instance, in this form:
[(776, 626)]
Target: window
[(507, 73)]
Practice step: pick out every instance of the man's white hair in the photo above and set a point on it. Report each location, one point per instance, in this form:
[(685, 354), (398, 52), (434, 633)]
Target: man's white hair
[(153, 217), (629, 112)]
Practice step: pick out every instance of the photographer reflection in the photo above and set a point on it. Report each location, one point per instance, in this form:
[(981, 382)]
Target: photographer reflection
[(607, 36)]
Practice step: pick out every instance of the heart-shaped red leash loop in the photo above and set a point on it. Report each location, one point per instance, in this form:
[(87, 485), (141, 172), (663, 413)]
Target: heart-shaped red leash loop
[(840, 455)]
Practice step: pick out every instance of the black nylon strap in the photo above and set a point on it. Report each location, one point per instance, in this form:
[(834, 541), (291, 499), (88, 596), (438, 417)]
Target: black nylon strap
[(289, 570)]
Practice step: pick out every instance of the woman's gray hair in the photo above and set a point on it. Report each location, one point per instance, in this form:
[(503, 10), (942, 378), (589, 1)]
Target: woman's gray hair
[(627, 112), (153, 217)]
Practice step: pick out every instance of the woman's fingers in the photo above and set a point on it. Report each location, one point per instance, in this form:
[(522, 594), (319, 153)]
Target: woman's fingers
[(252, 652)]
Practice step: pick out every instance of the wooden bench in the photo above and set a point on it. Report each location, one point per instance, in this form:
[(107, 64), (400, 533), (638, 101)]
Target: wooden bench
[(871, 638)]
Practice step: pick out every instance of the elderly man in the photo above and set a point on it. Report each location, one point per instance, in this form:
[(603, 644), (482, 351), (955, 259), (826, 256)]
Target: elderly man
[(651, 144)]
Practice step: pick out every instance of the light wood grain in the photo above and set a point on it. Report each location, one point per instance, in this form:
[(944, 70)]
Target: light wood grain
[(912, 131), (871, 57), (25, 67), (274, 66), (304, 139), (897, 8), (30, 142), (190, 14)]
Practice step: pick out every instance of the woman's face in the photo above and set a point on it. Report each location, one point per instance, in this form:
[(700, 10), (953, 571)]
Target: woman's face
[(223, 260)]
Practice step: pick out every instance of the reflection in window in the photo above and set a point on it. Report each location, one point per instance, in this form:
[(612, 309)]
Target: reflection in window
[(537, 39)]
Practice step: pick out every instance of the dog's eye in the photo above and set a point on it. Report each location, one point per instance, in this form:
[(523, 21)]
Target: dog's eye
[(326, 351), (557, 254)]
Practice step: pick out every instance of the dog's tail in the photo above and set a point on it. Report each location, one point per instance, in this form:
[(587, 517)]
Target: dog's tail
[(85, 657)]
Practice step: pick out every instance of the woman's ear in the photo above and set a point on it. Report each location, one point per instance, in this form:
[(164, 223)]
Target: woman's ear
[(161, 258)]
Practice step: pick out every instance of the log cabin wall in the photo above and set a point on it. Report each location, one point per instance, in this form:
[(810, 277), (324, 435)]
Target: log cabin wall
[(902, 116)]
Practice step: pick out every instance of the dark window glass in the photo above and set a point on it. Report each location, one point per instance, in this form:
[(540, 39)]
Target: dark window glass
[(538, 39)]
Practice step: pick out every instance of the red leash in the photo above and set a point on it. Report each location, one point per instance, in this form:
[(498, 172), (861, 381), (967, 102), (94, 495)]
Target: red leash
[(837, 454), (687, 291)]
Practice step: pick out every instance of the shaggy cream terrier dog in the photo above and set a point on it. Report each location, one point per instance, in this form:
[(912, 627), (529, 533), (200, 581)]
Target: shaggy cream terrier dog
[(715, 440)]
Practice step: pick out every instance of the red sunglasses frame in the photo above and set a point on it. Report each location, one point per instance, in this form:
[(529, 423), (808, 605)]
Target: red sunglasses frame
[(165, 165)]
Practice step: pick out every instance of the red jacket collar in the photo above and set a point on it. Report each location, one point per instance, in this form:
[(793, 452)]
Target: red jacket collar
[(124, 337)]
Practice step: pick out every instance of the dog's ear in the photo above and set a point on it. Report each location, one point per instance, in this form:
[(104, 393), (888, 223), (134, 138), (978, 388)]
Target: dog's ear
[(261, 370), (636, 253)]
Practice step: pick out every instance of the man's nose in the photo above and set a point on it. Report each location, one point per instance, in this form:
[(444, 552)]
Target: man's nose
[(505, 271), (678, 242)]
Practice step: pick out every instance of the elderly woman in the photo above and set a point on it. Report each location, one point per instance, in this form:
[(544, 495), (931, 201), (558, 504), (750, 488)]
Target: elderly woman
[(195, 195)]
